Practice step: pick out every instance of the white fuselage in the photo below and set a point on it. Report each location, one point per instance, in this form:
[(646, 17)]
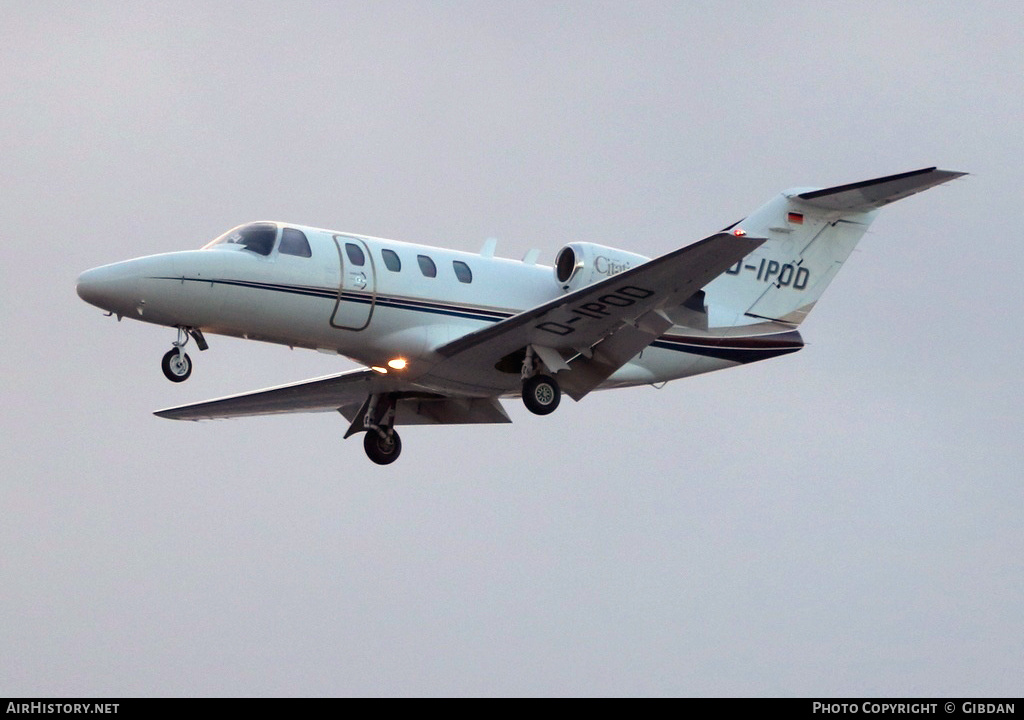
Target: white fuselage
[(377, 311)]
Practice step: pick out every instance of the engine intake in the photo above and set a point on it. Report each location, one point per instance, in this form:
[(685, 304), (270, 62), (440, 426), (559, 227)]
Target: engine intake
[(580, 264)]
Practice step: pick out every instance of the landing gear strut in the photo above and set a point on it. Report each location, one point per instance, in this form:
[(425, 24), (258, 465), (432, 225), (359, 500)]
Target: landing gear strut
[(176, 364), (541, 393)]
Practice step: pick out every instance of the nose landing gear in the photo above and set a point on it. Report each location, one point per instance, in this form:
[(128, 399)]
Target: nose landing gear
[(176, 364)]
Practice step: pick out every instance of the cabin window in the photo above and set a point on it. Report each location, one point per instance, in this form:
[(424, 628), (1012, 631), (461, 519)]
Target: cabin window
[(257, 237), (294, 242), (462, 271), (355, 254), (427, 266), (391, 260)]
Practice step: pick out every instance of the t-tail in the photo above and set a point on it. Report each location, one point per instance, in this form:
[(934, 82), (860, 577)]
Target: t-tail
[(810, 234)]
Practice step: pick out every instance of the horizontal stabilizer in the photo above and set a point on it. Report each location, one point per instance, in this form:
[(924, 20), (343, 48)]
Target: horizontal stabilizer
[(871, 194)]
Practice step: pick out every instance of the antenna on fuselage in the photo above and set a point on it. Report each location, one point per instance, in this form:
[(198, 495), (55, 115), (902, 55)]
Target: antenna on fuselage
[(490, 245)]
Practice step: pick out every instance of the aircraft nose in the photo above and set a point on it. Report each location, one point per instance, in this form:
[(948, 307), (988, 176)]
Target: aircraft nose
[(111, 287)]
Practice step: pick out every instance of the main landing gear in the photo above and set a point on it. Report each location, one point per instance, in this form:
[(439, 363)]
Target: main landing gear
[(381, 442), (541, 393), (382, 446), (176, 363)]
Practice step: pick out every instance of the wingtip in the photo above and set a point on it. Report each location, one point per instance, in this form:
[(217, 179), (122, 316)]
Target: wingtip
[(169, 414)]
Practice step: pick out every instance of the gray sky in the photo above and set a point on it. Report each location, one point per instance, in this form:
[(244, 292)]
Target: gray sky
[(843, 521)]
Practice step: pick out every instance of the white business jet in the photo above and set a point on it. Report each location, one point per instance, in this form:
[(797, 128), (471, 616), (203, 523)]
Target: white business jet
[(442, 335)]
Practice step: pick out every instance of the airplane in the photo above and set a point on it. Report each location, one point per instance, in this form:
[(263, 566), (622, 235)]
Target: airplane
[(442, 335)]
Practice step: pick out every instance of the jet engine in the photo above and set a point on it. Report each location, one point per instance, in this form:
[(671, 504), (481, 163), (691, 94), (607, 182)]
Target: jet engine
[(580, 264)]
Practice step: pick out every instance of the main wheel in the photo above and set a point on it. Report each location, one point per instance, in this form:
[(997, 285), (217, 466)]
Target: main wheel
[(382, 450), (176, 366), (541, 394)]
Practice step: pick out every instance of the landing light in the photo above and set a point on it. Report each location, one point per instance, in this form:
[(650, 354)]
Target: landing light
[(377, 368), (397, 364)]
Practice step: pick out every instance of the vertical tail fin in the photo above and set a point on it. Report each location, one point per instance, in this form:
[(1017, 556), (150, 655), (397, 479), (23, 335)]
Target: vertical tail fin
[(810, 235)]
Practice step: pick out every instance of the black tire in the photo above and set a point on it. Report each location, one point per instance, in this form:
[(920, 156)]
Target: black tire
[(541, 394), (382, 451), (175, 369)]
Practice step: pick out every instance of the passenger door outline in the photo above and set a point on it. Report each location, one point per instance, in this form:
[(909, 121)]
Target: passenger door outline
[(357, 288)]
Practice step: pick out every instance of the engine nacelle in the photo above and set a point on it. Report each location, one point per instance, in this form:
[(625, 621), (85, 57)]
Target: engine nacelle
[(580, 264)]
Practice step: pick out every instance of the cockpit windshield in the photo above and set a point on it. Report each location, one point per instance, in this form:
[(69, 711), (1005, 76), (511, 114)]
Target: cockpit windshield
[(257, 237)]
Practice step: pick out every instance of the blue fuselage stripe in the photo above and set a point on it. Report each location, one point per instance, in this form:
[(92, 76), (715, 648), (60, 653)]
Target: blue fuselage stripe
[(360, 298), (744, 350)]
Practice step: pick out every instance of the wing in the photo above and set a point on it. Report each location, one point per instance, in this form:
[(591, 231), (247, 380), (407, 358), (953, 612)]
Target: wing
[(324, 394), (346, 393), (602, 326)]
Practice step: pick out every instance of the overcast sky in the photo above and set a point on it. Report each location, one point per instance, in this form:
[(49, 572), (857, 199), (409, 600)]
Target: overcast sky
[(842, 521)]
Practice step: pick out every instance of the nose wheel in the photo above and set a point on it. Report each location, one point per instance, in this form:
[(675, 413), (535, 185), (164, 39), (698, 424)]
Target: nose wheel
[(177, 365)]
